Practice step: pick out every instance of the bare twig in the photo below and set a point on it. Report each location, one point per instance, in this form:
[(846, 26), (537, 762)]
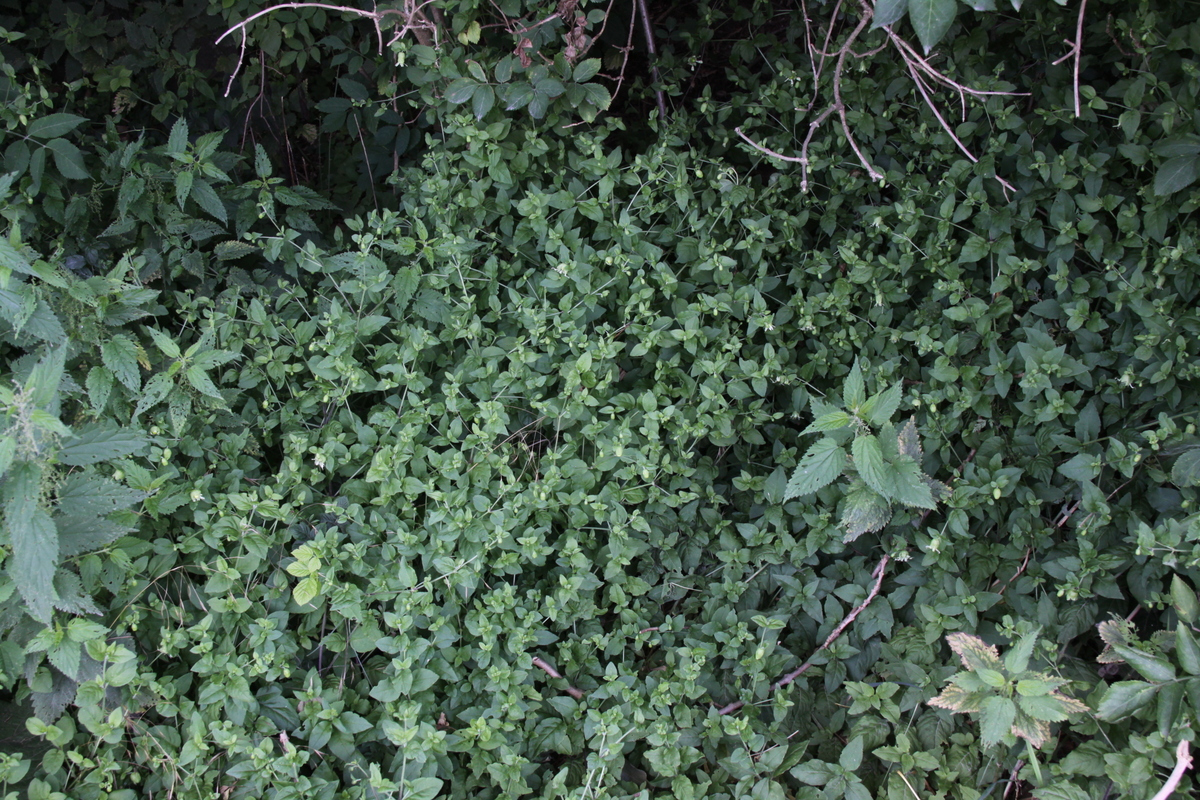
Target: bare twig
[(880, 568), (648, 32), (1182, 763), (910, 53), (553, 673), (1078, 51), (761, 149)]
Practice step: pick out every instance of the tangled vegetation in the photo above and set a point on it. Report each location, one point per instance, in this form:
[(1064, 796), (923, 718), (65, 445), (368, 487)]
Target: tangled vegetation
[(502, 398)]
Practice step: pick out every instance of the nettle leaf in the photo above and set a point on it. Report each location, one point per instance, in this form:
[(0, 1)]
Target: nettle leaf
[(909, 441), (1035, 731), (880, 407), (34, 561), (864, 511), (829, 421), (868, 460), (907, 485), (120, 356), (931, 19), (854, 390), (821, 465), (975, 653), (996, 718), (1050, 708), (958, 699), (86, 493), (96, 443), (1016, 660)]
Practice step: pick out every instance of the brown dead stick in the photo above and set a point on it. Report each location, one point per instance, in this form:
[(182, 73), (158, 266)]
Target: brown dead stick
[(553, 673), (845, 623)]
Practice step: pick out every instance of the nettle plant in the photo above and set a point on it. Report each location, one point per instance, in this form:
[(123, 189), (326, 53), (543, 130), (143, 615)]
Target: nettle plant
[(880, 466), (1013, 701)]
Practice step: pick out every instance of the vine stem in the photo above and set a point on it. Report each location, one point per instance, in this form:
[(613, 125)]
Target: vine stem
[(880, 569)]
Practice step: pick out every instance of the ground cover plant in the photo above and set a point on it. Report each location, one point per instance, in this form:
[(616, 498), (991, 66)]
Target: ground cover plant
[(512, 399)]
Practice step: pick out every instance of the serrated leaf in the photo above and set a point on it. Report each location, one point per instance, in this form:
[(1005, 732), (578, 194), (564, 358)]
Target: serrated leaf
[(68, 159), (880, 407), (178, 140), (86, 494), (1175, 174), (100, 386), (908, 486), (996, 717), (34, 561), (206, 197), (200, 381), (183, 187), (992, 677), (1016, 660), (155, 390), (96, 443), (975, 653), (119, 355), (868, 460), (233, 249), (829, 421), (1124, 698), (65, 658), (909, 441), (821, 465), (53, 125), (1044, 707), (931, 19), (306, 590), (957, 699), (1033, 730), (163, 342), (854, 389), (888, 12), (864, 511)]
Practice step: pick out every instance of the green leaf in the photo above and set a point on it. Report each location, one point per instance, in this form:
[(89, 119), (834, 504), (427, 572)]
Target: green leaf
[(183, 186), (163, 342), (868, 460), (11, 258), (852, 754), (53, 125), (68, 159), (96, 443), (8, 450), (178, 140), (423, 788), (404, 285), (864, 511), (518, 95), (88, 494), (1186, 470), (586, 70), (200, 381), (233, 249), (931, 19), (909, 442), (1187, 649), (120, 356), (156, 389), (482, 101), (1154, 668), (1016, 660), (306, 590), (854, 390), (206, 197), (976, 654), (83, 533), (461, 90), (888, 12), (1047, 708), (821, 465), (880, 407), (1175, 174), (996, 717), (1124, 698), (830, 421), (34, 562), (907, 485)]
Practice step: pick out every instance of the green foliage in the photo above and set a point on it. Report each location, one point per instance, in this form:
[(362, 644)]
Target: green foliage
[(496, 484), (880, 469), (1010, 698)]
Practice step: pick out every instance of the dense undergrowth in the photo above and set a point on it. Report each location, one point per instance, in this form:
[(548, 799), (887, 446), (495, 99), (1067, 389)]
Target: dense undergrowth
[(441, 422)]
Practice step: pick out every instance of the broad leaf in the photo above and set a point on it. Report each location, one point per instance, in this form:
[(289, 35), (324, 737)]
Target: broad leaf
[(854, 390), (864, 511), (53, 125), (96, 443), (1151, 667), (121, 357), (888, 12), (931, 19), (34, 561), (1186, 471), (1125, 697), (996, 719), (880, 407), (868, 460), (85, 494), (1175, 174), (831, 421), (821, 465)]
